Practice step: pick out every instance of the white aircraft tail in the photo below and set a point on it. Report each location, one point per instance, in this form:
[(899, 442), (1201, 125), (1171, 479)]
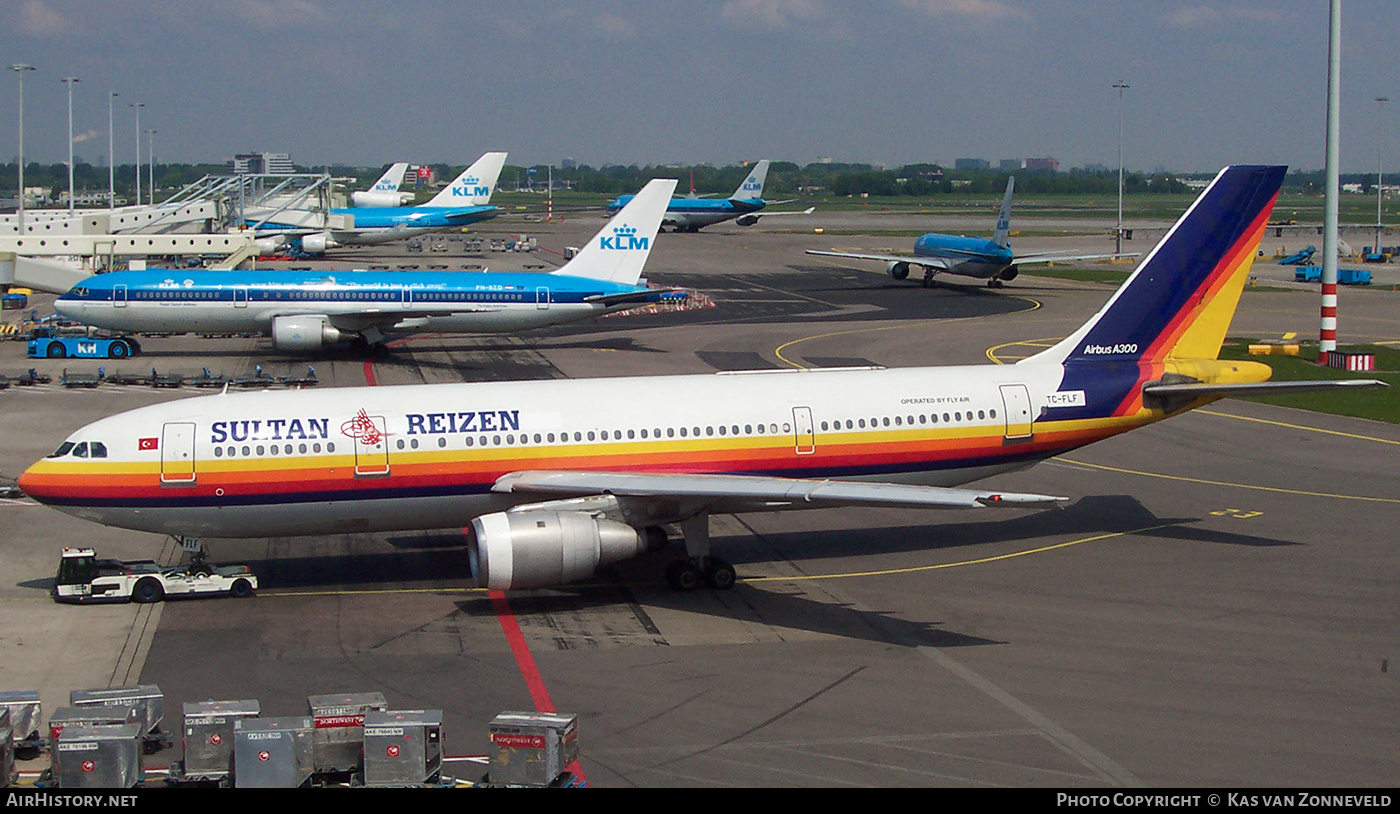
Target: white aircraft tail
[(391, 179), (1003, 230), (752, 187), (619, 251), (475, 185)]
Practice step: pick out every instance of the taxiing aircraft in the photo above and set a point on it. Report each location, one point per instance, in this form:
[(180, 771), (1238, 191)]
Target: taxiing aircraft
[(385, 191), (307, 310), (691, 214), (463, 202), (558, 477), (990, 260)]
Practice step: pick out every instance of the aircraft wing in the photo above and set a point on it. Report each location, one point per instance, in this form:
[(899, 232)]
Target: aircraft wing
[(765, 214), (736, 492), (927, 262), (1022, 260)]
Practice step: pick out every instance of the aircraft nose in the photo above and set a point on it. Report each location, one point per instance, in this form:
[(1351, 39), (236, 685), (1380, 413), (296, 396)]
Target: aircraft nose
[(37, 484)]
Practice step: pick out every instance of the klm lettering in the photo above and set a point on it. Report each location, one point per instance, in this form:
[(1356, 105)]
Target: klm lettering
[(464, 421), (624, 238)]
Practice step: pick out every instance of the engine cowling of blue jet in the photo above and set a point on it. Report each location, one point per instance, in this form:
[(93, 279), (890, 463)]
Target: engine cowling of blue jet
[(318, 243), (746, 220), (899, 271)]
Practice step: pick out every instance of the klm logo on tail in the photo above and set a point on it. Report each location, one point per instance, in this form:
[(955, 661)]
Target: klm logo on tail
[(751, 184), (386, 186), (624, 238), (470, 188)]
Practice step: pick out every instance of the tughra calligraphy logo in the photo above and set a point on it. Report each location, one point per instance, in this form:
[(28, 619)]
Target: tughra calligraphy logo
[(362, 429)]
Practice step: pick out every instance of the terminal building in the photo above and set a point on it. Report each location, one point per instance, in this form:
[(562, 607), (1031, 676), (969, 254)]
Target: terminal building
[(261, 164)]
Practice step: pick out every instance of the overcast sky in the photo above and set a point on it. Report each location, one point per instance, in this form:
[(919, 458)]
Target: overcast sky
[(886, 81)]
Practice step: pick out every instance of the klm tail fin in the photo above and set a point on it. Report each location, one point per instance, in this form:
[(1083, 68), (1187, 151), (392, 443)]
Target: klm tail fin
[(619, 251), (1003, 230), (1179, 302), (391, 179), (752, 187), (475, 185)]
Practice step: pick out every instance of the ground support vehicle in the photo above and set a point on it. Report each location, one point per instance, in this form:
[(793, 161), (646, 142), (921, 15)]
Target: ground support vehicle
[(48, 341), (83, 578)]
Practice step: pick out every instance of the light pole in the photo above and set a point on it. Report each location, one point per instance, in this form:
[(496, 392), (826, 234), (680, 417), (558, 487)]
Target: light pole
[(70, 81), (151, 154), (111, 160), (1120, 86), (137, 107), (1380, 141), (20, 68)]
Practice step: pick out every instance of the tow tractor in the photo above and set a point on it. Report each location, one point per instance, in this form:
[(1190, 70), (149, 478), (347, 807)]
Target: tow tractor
[(83, 578)]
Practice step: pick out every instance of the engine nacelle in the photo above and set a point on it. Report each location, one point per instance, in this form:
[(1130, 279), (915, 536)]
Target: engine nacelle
[(318, 243), (1009, 274), (746, 220), (538, 549), (302, 333), (899, 271), (268, 245), (370, 199)]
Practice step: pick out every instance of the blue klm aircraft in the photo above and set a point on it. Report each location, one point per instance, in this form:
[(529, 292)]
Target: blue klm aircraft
[(990, 260), (465, 201), (308, 310), (692, 213)]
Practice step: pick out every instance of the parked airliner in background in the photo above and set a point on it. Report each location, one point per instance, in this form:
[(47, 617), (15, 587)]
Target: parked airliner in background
[(307, 310), (464, 201), (385, 191), (692, 213), (990, 260), (559, 477)]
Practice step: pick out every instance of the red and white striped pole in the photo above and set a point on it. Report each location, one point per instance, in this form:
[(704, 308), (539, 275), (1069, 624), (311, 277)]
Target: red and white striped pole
[(1327, 339)]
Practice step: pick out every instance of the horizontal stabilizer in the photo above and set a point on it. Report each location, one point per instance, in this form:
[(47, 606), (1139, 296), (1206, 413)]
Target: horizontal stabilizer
[(1246, 389)]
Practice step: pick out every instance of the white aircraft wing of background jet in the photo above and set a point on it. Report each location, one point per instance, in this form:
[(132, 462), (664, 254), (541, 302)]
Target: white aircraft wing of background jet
[(936, 262)]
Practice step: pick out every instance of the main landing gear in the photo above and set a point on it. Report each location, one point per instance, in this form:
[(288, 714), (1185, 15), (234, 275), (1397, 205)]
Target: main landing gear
[(699, 567)]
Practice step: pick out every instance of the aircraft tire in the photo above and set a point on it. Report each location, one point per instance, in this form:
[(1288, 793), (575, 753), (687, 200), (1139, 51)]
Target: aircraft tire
[(683, 575), (719, 575)]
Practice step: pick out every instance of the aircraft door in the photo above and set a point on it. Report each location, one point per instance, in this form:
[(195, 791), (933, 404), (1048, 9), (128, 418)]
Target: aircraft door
[(371, 445), (406, 297), (542, 298), (806, 437), (119, 295), (240, 296), (1016, 404), (177, 454)]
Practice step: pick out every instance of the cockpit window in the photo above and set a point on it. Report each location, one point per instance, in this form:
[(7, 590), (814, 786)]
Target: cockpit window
[(97, 449), (81, 450), (63, 449)]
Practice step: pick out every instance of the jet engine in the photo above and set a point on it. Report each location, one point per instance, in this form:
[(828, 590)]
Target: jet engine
[(268, 245), (746, 220), (304, 332), (1009, 274), (537, 549), (318, 243), (899, 271), (369, 199)]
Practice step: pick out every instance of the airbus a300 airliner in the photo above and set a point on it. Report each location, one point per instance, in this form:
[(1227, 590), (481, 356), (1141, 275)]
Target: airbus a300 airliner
[(305, 311), (558, 477)]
